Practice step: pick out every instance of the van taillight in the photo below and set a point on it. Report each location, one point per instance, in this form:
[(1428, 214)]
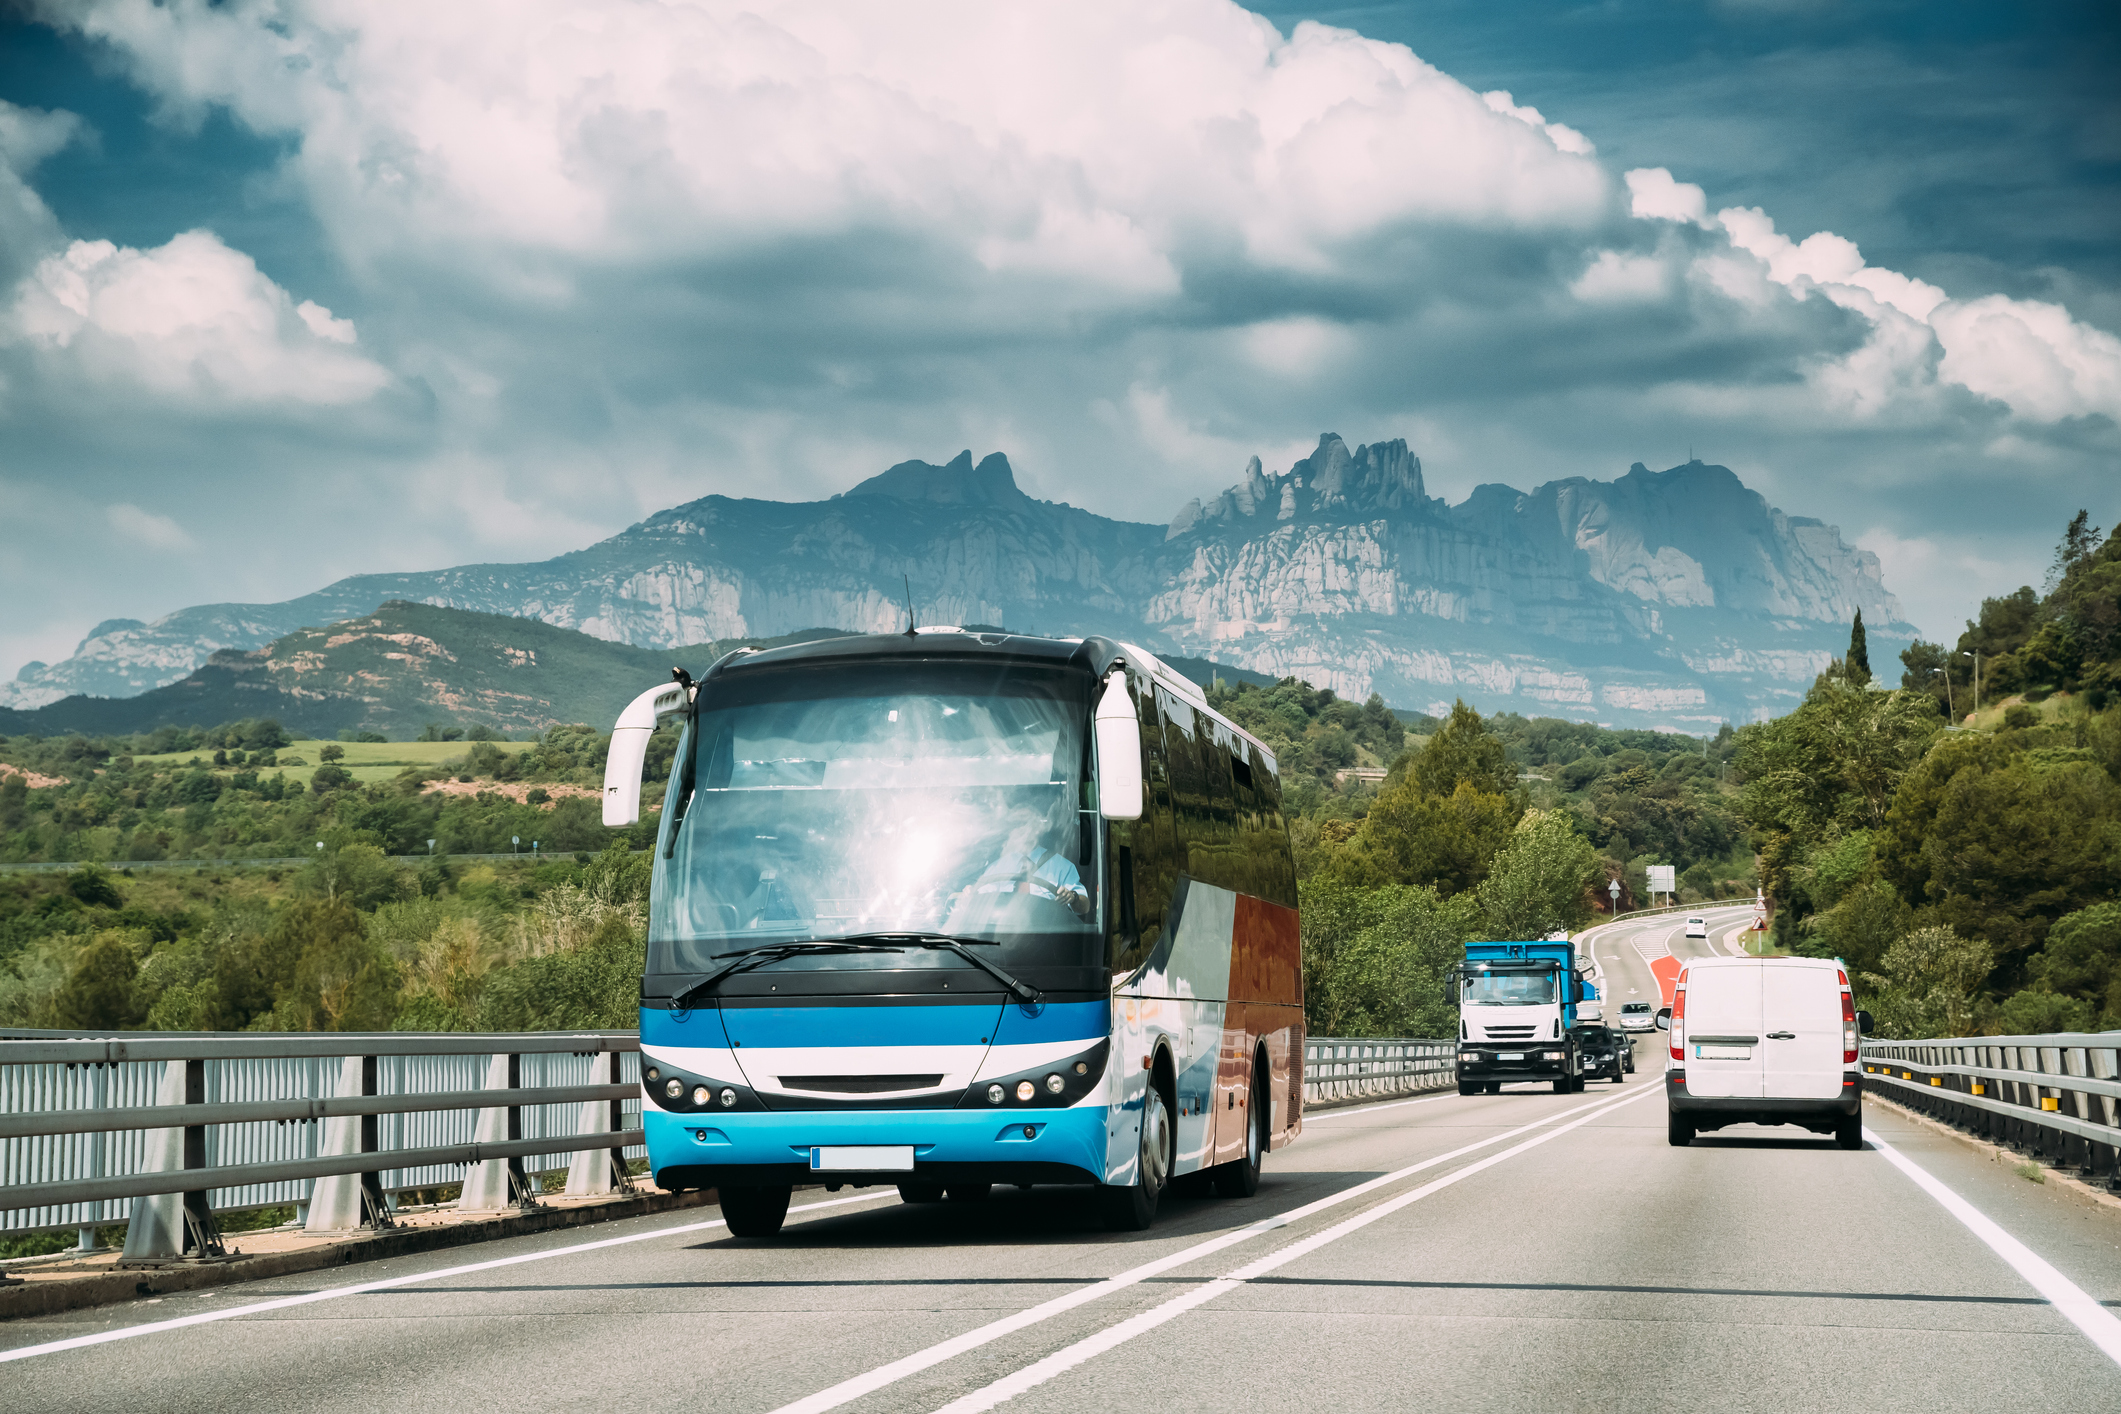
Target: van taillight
[(1848, 1029), (1679, 1020)]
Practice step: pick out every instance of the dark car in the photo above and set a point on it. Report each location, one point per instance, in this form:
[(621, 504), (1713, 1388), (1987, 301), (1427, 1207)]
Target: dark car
[(1607, 1054)]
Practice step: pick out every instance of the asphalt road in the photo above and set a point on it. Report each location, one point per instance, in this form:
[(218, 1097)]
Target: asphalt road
[(1518, 1251)]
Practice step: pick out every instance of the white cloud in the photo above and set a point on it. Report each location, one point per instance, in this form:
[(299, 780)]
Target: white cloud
[(1564, 137), (1655, 195), (193, 322), (155, 531), (1104, 140), (1928, 572), (1617, 278), (2029, 355)]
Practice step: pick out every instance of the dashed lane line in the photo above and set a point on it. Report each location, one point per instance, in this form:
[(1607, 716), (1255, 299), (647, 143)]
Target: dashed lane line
[(849, 1390), (1061, 1361)]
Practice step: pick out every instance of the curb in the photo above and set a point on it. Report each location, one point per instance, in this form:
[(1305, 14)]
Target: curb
[(45, 1298), (1997, 1154)]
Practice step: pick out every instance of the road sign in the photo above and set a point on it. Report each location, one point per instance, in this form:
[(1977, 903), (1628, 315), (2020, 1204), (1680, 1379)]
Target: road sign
[(1662, 880)]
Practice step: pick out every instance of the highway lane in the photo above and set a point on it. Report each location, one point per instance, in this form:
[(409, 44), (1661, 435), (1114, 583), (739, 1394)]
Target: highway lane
[(1553, 1251)]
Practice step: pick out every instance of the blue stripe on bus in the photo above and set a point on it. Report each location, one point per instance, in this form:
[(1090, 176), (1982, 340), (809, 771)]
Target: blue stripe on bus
[(860, 1025), (1062, 1021)]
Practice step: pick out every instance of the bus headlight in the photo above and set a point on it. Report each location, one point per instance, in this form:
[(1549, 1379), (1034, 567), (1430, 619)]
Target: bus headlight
[(1025, 1089), (994, 1094), (1054, 1083), (653, 1075), (728, 1098), (699, 1096), (673, 1087)]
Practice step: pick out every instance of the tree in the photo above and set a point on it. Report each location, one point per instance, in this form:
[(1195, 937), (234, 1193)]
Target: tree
[(1930, 980), (98, 993), (2082, 959), (1413, 837), (1535, 885), (2079, 539), (1464, 752), (93, 885), (332, 752), (1926, 672), (1374, 959), (1859, 658)]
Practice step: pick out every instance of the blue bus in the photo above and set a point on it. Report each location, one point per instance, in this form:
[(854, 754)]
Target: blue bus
[(948, 909)]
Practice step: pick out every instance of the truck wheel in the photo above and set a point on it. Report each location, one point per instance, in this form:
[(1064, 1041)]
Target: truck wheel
[(1133, 1207), (1576, 1084), (1678, 1132), (755, 1212), (1563, 1085), (1849, 1133)]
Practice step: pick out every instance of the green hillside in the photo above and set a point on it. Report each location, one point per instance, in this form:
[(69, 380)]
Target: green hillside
[(393, 673)]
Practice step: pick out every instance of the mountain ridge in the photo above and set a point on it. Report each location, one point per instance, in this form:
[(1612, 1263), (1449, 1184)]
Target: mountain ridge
[(1677, 598)]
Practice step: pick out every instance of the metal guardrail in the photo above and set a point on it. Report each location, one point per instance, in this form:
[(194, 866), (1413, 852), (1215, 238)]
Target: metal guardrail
[(176, 1126), (1339, 1067), (290, 861), (2056, 1096)]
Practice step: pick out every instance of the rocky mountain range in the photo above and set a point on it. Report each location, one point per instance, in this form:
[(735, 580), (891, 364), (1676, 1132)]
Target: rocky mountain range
[(1677, 598)]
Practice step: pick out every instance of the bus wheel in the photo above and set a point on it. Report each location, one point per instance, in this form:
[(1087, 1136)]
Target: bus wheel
[(1240, 1178), (969, 1192), (755, 1212), (1133, 1208), (920, 1192)]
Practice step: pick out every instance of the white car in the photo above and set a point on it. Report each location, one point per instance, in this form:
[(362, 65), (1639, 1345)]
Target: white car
[(1637, 1016), (1697, 927)]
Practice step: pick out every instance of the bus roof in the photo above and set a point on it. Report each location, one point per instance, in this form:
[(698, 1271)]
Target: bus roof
[(943, 642)]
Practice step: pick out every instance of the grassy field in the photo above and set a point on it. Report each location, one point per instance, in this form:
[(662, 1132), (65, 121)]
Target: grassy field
[(2061, 707), (367, 760)]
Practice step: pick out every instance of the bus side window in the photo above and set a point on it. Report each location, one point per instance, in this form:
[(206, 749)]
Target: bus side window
[(1147, 856)]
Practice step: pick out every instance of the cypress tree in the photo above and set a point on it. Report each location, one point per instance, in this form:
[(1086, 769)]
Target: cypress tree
[(1859, 658)]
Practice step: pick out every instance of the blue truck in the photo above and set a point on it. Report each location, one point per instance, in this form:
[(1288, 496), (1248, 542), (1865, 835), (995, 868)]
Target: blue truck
[(1517, 1014)]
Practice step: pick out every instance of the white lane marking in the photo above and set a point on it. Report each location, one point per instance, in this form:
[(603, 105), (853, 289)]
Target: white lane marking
[(852, 1389), (308, 1297), (2086, 1314), (1358, 1110), (1061, 1361)]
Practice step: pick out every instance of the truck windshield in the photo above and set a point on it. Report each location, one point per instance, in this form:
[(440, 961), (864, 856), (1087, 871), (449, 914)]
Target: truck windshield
[(813, 803), (1508, 989)]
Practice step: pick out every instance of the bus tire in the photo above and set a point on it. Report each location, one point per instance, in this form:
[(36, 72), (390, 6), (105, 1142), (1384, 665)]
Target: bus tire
[(920, 1192), (969, 1192), (755, 1212), (1133, 1207), (1240, 1177)]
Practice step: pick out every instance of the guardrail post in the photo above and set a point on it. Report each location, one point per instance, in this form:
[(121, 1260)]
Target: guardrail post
[(594, 1171), (170, 1227), (350, 1200), (522, 1186)]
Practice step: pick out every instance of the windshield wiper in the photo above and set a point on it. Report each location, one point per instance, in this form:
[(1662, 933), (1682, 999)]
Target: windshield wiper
[(754, 957), (1022, 991)]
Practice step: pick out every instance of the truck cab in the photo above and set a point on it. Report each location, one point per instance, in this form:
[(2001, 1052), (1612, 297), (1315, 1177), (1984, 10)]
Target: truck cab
[(1517, 1016)]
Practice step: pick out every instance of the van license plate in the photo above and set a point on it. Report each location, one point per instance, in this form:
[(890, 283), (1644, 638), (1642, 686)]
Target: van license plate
[(1723, 1052), (846, 1158), (1509, 1055)]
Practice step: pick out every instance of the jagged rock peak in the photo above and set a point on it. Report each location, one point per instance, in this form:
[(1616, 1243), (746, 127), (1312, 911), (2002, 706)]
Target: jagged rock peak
[(959, 483), (1382, 476)]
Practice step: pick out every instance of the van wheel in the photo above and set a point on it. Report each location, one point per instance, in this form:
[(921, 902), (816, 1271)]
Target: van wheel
[(920, 1192), (1133, 1208), (969, 1192), (1678, 1132), (1240, 1178), (1849, 1133), (755, 1212)]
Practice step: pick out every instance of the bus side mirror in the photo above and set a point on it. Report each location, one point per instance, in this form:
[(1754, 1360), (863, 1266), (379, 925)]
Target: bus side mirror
[(1664, 1018), (1119, 751), (629, 751)]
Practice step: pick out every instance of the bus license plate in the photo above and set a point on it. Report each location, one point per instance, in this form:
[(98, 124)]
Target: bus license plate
[(846, 1158), (1509, 1055), (1723, 1052)]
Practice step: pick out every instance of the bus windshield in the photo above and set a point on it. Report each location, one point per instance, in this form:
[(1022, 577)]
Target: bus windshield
[(1509, 989), (814, 803)]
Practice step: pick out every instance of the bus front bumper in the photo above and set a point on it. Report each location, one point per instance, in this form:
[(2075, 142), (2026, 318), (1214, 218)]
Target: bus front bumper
[(949, 1146)]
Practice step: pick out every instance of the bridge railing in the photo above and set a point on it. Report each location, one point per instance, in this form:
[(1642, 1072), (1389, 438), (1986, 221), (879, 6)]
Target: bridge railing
[(175, 1126), (1342, 1067), (2056, 1096)]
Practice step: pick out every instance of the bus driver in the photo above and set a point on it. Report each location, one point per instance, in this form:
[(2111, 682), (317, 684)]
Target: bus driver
[(1027, 865)]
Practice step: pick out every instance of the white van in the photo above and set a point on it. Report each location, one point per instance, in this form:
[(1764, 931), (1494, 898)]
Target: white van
[(1764, 1041)]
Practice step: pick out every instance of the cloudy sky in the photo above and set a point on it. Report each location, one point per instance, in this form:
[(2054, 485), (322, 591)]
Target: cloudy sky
[(291, 289)]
